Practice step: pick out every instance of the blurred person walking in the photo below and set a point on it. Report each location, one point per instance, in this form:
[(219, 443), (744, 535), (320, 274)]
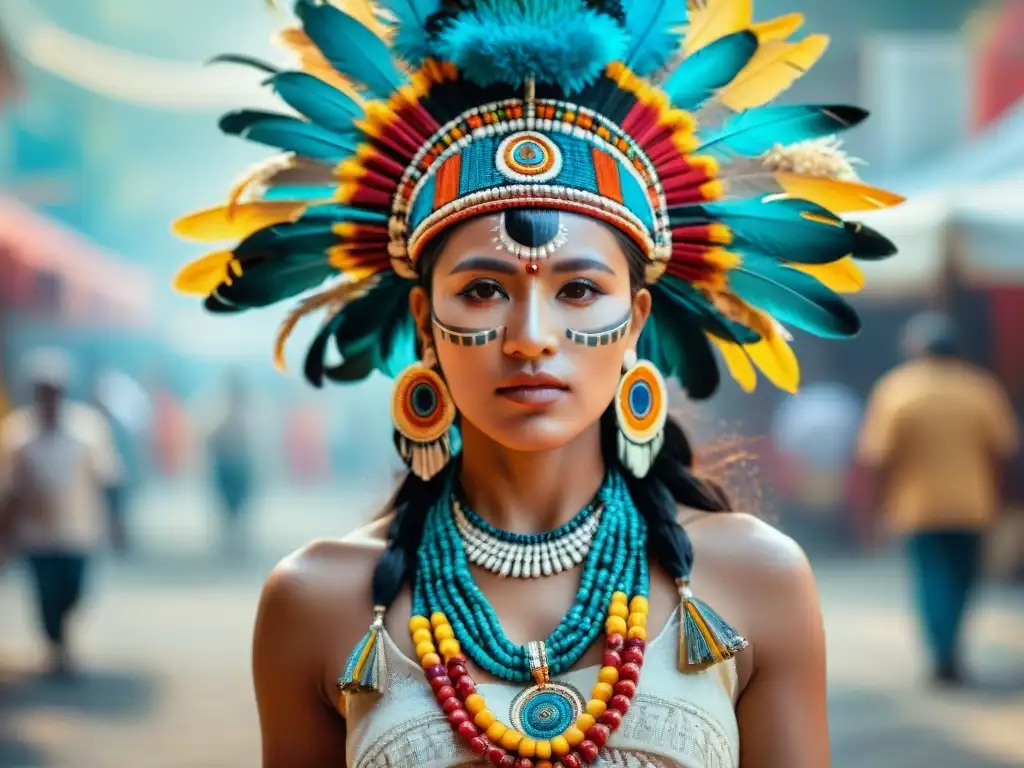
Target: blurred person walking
[(58, 458), (935, 432), (231, 462)]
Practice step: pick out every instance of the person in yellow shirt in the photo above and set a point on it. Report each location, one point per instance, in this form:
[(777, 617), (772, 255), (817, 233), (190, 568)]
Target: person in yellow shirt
[(935, 432)]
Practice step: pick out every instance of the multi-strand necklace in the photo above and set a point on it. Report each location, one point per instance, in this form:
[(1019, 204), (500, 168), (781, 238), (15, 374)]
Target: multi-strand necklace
[(527, 556), (551, 722)]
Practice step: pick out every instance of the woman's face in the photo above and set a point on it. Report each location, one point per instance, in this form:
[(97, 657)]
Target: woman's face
[(531, 387)]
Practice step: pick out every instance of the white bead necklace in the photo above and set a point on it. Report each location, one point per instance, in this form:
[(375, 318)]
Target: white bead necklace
[(525, 560)]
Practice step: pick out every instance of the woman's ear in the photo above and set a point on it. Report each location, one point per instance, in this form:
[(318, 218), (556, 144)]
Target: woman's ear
[(641, 311), (419, 305)]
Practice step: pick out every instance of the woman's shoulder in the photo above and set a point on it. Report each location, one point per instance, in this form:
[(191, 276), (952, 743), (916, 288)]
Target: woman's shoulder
[(752, 556), (322, 589)]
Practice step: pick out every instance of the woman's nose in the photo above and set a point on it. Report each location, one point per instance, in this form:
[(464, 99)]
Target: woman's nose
[(534, 332)]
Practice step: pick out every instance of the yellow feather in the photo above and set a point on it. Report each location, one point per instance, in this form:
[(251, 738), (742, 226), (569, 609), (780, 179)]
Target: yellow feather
[(843, 276), (234, 222), (838, 196), (202, 276), (775, 67), (738, 363), (775, 358), (777, 29), (714, 19)]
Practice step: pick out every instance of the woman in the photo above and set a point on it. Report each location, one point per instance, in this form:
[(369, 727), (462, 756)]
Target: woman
[(529, 234)]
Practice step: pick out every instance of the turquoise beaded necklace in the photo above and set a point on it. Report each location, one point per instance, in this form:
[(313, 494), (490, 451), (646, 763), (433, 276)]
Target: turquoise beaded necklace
[(617, 562)]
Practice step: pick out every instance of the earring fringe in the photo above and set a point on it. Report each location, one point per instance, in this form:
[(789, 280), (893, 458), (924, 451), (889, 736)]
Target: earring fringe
[(365, 669), (425, 459), (705, 638)]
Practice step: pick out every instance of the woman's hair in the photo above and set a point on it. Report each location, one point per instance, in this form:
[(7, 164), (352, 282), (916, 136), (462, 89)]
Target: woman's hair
[(670, 483)]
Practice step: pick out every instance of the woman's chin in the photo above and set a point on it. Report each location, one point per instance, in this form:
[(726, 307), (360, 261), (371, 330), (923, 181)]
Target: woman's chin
[(535, 433)]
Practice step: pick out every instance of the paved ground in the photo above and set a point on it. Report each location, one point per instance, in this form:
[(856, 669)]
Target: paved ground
[(167, 638)]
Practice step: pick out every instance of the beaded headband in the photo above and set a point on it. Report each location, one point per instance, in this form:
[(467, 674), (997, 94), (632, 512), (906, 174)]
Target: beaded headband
[(648, 115)]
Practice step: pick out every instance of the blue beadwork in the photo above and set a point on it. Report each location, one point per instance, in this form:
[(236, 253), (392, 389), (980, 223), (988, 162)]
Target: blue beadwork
[(545, 713), (617, 561), (640, 399)]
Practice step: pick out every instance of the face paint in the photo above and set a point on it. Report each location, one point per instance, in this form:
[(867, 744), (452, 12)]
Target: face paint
[(504, 241), (466, 337), (602, 336)]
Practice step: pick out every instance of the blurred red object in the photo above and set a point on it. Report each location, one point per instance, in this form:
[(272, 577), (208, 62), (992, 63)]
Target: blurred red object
[(999, 69)]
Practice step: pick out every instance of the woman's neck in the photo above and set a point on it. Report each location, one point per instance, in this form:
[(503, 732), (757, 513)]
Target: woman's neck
[(530, 492)]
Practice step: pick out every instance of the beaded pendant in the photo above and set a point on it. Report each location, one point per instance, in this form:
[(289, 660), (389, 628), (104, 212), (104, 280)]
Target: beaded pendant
[(551, 726)]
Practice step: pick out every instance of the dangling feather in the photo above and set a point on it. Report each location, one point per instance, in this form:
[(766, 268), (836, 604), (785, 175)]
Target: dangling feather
[(412, 41), (235, 222), (202, 276), (794, 298), (557, 42), (779, 28), (246, 61), (316, 100), (756, 131), (290, 134), (738, 362), (773, 69), (775, 359), (703, 73), (351, 48), (837, 196), (711, 20), (336, 296), (843, 276), (656, 29)]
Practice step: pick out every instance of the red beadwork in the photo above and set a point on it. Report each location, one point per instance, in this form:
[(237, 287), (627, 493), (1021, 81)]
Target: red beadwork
[(464, 687), (611, 717), (621, 703), (615, 642), (458, 717), (458, 658), (478, 745), (633, 656), (572, 760), (533, 269), (436, 671), (625, 688), (508, 761), (611, 659), (637, 643), (438, 683), (524, 762), (588, 751), (629, 671), (450, 705), (468, 731), (444, 693), (598, 734), (456, 670), (495, 755)]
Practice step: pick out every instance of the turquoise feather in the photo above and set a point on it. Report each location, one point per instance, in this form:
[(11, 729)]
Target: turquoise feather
[(557, 42), (290, 134), (710, 68), (299, 192), (794, 298), (411, 40), (656, 29), (351, 48), (319, 102), (756, 131)]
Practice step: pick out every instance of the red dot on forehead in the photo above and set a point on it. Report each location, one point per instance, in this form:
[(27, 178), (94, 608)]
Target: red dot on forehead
[(532, 269)]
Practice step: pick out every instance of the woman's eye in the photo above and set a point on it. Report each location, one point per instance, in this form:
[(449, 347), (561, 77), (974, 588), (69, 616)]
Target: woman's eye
[(579, 290), (483, 290)]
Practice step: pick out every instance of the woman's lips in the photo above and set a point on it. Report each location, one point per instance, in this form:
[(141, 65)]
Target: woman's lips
[(533, 389)]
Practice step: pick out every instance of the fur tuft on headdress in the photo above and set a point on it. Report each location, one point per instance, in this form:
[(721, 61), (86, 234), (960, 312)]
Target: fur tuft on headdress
[(822, 158), (511, 41)]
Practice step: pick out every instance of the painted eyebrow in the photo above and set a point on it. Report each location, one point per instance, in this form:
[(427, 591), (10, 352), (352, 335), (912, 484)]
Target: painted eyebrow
[(581, 264), (485, 264)]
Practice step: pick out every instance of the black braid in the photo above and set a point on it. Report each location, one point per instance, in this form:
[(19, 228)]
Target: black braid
[(670, 483)]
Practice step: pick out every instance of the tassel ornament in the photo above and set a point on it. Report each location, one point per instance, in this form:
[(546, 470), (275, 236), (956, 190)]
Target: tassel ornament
[(366, 666), (705, 639)]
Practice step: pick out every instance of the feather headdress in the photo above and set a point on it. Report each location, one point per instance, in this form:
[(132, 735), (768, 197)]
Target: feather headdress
[(407, 116)]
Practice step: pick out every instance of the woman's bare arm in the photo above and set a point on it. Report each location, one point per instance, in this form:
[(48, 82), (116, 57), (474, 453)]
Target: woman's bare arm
[(298, 722), (783, 709)]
